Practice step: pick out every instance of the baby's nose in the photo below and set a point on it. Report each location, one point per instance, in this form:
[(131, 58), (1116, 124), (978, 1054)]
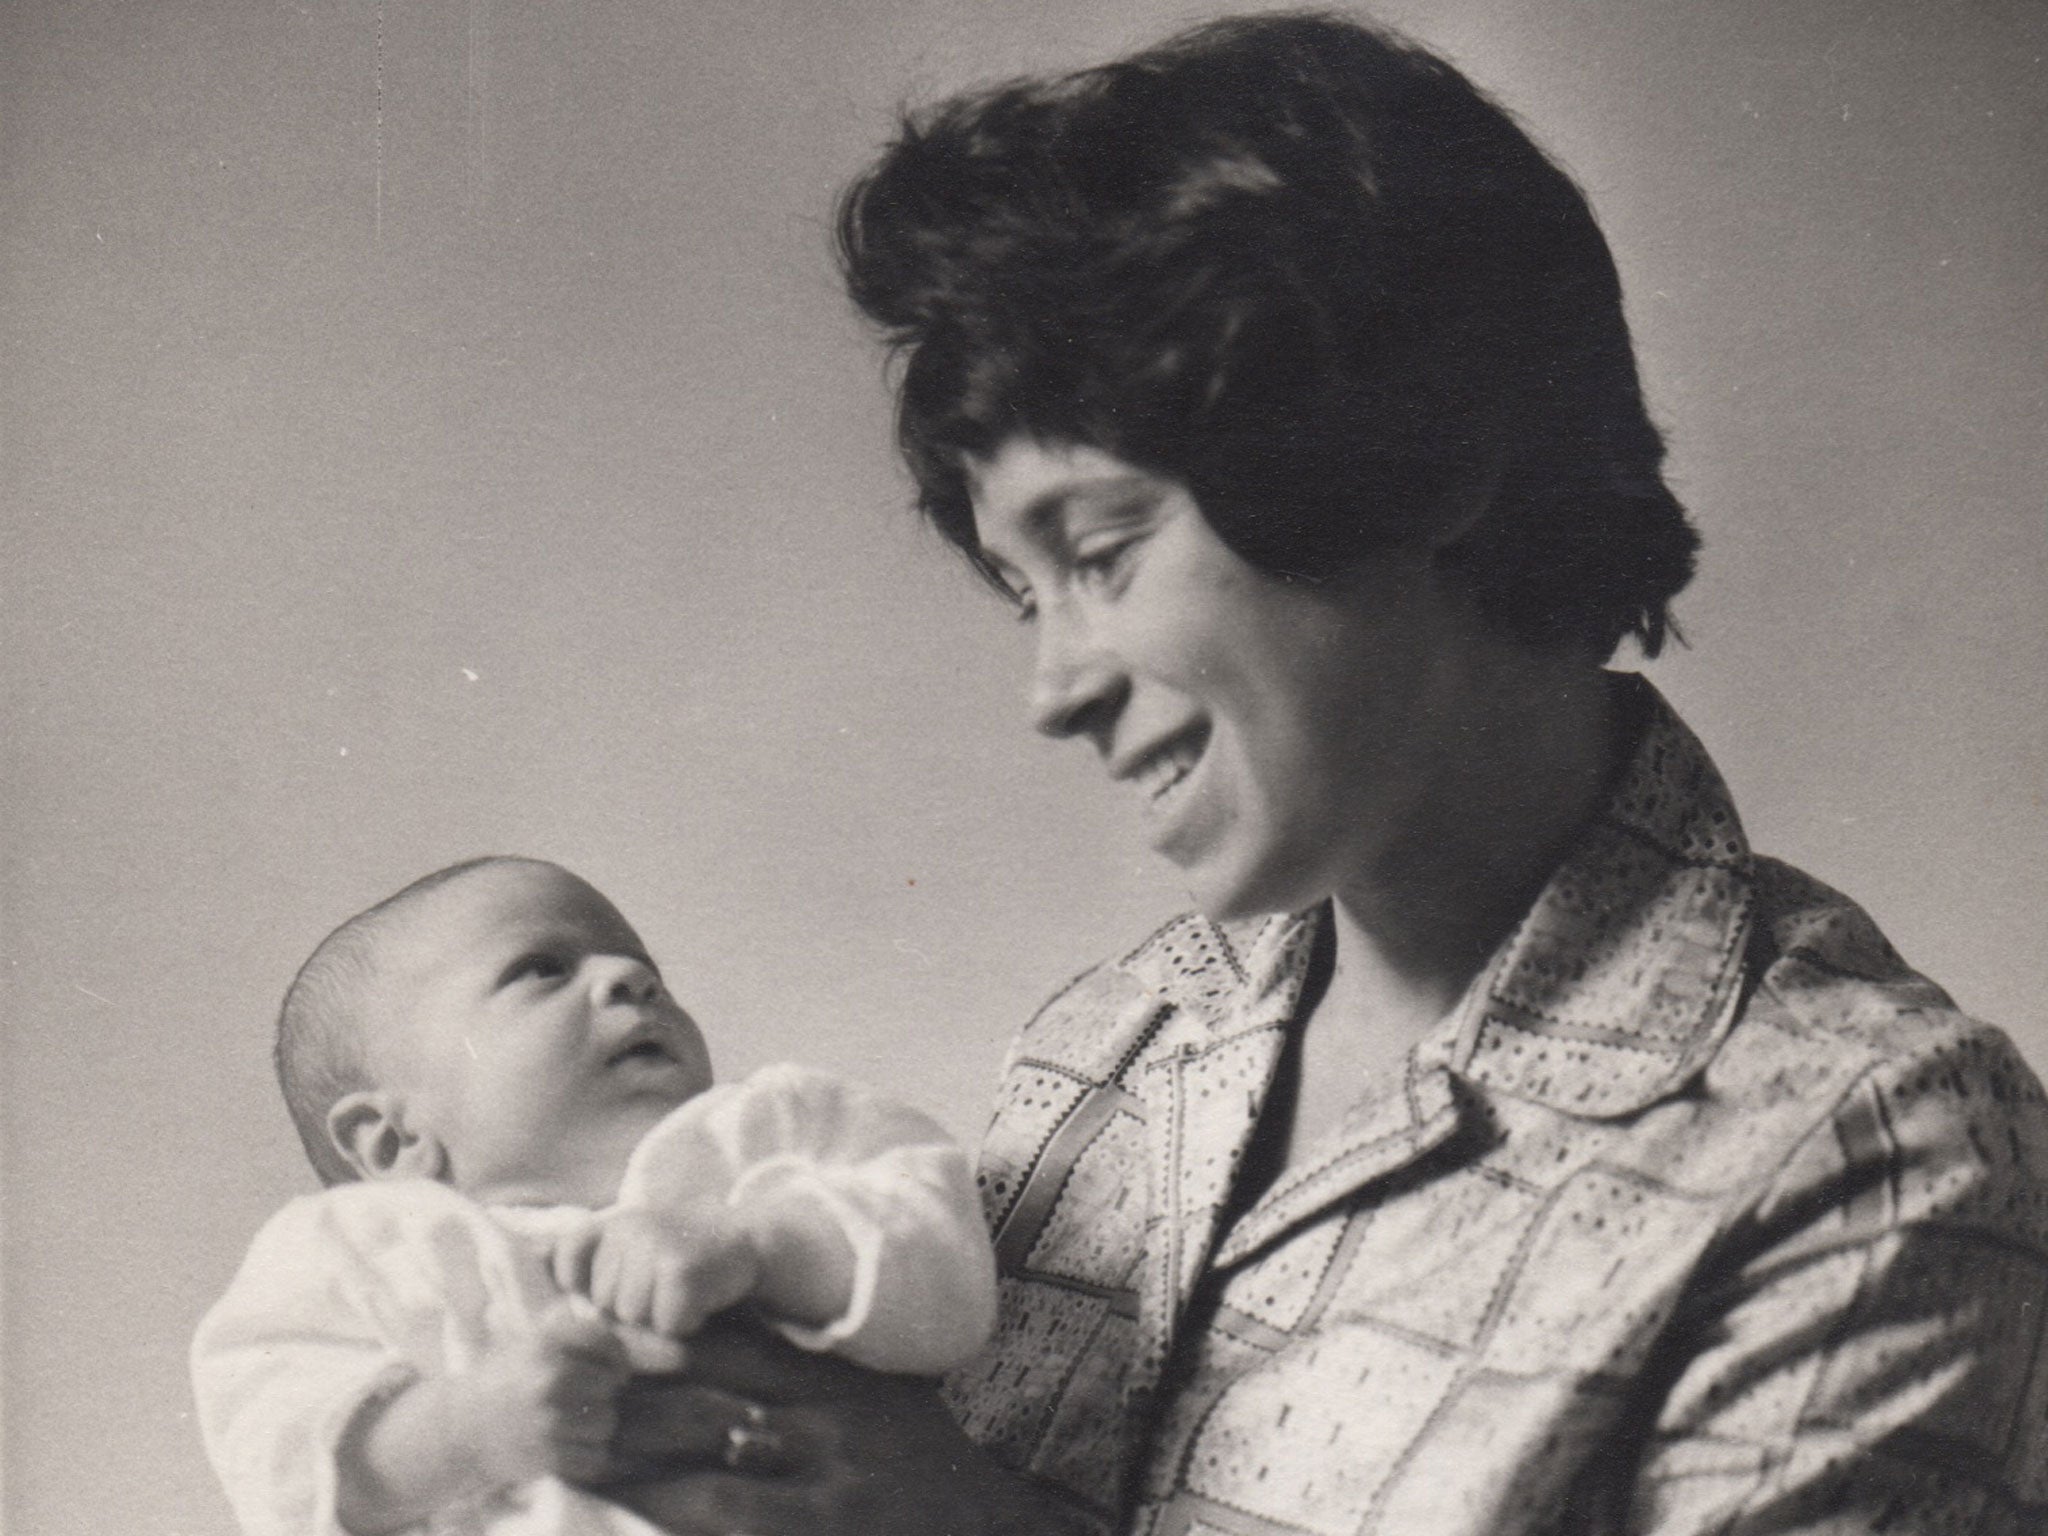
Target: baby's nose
[(630, 981)]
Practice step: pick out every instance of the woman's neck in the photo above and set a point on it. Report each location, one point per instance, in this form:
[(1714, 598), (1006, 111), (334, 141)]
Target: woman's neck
[(1527, 757)]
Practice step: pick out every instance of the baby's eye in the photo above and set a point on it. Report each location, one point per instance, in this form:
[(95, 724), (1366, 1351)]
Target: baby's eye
[(538, 966)]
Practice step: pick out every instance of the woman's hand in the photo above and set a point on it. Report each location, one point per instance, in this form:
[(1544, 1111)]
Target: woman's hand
[(762, 1438), (531, 1406)]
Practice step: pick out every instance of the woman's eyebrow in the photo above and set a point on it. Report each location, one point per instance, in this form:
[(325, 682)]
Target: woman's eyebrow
[(1046, 514), (1039, 519), (1042, 521)]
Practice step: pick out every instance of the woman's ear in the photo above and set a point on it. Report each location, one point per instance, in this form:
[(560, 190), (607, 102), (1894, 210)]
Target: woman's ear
[(368, 1129)]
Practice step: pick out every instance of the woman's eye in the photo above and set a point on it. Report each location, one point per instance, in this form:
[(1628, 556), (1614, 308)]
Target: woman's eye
[(1022, 603), (1099, 563)]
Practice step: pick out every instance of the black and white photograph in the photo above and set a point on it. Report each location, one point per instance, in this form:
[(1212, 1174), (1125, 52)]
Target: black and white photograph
[(961, 769)]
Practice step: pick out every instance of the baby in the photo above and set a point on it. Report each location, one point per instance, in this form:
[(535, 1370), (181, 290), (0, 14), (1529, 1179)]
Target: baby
[(534, 1190)]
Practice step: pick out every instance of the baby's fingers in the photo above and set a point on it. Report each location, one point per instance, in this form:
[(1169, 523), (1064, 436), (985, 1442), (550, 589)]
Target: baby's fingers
[(676, 1306), (622, 1282), (571, 1259), (637, 1290), (607, 1261)]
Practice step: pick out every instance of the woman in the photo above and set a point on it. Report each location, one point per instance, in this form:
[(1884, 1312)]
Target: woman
[(1503, 1147)]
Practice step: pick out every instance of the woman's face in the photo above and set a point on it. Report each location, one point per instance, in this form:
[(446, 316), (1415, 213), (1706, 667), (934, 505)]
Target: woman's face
[(1280, 740)]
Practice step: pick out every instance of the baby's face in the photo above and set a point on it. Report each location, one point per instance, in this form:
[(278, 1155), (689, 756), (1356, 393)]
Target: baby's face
[(532, 1036)]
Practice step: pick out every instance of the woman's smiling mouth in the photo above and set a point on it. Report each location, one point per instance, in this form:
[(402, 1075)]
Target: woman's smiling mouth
[(1164, 768)]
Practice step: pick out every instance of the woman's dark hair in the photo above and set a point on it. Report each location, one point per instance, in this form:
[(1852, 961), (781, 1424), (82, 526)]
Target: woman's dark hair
[(1306, 269)]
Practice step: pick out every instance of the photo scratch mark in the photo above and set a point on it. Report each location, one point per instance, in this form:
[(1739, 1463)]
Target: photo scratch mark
[(88, 991), (475, 85), (378, 214), (469, 1045)]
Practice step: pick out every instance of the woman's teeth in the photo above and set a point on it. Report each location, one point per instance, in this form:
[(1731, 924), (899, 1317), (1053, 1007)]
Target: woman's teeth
[(1163, 772)]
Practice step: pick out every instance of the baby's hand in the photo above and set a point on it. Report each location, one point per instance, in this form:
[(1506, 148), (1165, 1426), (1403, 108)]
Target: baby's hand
[(545, 1404), (666, 1273)]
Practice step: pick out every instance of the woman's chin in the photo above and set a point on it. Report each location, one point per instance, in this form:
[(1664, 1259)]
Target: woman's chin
[(1226, 895), (1239, 865)]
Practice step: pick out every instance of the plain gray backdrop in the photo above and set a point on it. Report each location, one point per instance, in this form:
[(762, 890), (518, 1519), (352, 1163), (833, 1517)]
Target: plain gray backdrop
[(434, 427)]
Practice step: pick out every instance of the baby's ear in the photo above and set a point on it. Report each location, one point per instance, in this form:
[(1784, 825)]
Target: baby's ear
[(369, 1131)]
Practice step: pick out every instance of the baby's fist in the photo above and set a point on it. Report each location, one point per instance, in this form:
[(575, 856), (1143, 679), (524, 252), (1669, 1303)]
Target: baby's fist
[(548, 1403), (667, 1273)]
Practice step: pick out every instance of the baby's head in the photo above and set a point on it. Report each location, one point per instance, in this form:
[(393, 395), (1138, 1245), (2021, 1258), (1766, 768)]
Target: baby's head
[(497, 1026)]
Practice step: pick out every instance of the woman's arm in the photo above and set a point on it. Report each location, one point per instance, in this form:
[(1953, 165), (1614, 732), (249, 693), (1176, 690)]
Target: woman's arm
[(1877, 1356), (849, 1452)]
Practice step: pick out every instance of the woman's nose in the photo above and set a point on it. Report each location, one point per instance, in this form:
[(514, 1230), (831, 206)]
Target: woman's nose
[(1076, 688)]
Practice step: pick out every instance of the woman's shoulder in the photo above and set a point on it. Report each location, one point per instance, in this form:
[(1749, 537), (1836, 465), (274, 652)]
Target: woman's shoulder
[(1822, 966), (1837, 1015)]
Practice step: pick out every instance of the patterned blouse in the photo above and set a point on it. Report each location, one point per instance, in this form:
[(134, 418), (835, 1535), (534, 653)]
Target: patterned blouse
[(1701, 1213)]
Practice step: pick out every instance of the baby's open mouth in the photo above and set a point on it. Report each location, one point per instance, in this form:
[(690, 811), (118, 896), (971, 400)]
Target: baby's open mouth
[(645, 1049)]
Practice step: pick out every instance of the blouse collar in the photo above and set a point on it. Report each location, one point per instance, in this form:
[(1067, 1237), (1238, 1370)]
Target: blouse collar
[(1616, 988)]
